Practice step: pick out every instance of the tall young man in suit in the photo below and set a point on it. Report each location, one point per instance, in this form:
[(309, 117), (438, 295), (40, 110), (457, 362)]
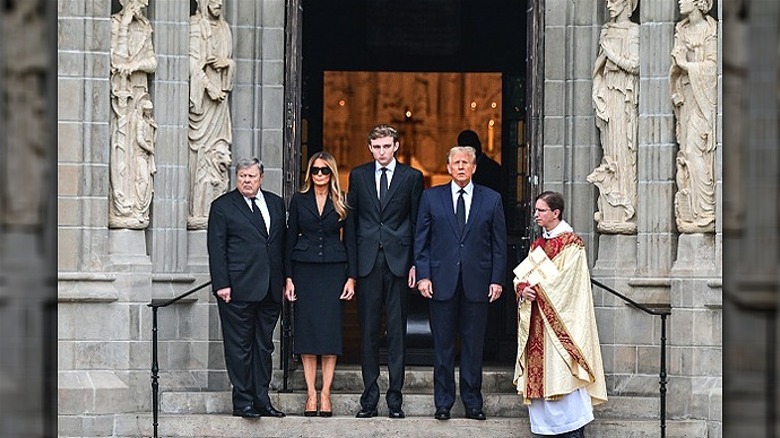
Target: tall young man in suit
[(384, 195), (246, 236), (460, 255)]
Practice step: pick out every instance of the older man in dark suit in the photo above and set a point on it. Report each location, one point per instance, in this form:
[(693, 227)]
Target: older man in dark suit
[(246, 236), (384, 195), (460, 255)]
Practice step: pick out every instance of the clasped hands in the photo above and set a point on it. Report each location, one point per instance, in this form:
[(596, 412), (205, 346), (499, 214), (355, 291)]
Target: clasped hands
[(346, 294), (523, 291)]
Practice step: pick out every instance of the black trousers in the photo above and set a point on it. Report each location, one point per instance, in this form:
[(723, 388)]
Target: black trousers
[(247, 333), (378, 293)]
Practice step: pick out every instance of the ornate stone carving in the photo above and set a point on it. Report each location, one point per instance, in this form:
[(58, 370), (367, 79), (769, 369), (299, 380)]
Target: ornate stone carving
[(131, 163), (616, 103), (210, 134), (25, 106), (693, 81)]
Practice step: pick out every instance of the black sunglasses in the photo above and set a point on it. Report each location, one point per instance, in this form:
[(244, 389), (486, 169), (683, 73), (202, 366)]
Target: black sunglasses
[(323, 170)]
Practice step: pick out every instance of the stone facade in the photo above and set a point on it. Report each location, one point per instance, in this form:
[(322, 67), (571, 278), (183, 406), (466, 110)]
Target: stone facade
[(106, 277), (658, 265)]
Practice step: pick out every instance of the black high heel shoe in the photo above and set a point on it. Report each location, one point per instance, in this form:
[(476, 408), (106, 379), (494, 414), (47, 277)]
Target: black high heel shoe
[(326, 414), (310, 413)]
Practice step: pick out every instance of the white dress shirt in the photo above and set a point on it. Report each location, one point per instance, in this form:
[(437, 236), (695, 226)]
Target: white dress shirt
[(263, 209), (468, 195), (378, 174)]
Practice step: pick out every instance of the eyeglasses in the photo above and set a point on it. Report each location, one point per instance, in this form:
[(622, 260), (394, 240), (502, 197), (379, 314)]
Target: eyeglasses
[(541, 210), (323, 170)]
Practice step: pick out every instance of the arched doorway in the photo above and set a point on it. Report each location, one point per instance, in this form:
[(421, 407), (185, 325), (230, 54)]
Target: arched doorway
[(431, 68)]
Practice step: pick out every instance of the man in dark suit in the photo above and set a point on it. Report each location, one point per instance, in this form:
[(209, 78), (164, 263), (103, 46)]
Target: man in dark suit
[(246, 237), (460, 255), (488, 171), (384, 195)]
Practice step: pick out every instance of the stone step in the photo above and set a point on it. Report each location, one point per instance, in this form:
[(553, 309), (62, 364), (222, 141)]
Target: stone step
[(347, 404), (224, 426), (416, 379)]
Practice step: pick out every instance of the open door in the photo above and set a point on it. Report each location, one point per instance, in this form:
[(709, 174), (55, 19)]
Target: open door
[(432, 69)]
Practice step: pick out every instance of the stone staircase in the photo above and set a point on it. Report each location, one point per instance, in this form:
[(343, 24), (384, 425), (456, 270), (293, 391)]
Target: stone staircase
[(207, 414)]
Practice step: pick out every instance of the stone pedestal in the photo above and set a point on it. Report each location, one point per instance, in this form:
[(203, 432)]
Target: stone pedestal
[(128, 252), (197, 251), (616, 253), (695, 255)]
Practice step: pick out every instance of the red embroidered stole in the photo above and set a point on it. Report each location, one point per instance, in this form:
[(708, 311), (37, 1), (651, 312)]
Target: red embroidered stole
[(541, 305)]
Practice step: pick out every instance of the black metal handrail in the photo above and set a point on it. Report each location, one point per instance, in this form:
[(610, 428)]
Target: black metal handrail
[(663, 313), (156, 304)]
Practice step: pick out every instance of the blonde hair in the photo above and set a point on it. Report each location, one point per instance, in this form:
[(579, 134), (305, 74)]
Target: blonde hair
[(334, 191)]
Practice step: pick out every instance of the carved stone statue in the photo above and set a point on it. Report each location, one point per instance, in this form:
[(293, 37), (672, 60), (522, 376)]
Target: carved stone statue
[(616, 102), (27, 128), (132, 59), (693, 80), (145, 136), (210, 135)]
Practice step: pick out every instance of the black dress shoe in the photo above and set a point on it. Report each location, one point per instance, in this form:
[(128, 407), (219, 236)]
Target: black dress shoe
[(475, 415), (270, 411), (309, 413), (326, 414), (366, 413), (246, 412), (442, 414), (397, 413)]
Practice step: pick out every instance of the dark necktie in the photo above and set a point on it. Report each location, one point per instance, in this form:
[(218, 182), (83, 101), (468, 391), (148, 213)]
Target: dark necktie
[(460, 211), (383, 184), (259, 214)]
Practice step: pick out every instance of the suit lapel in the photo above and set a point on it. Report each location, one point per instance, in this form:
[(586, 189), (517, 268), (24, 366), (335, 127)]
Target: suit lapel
[(310, 202), (476, 205), (400, 174), (445, 196), (273, 214), (327, 208), (241, 205), (370, 184)]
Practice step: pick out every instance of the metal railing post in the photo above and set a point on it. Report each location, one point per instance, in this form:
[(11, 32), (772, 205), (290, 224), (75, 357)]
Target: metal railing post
[(662, 374), (155, 371), (286, 350), (662, 388), (155, 305)]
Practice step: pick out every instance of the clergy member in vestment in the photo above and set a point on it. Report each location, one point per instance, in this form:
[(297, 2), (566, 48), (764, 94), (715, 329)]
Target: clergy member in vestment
[(559, 372)]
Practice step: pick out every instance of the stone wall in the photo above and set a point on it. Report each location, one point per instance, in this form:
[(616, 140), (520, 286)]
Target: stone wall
[(658, 265), (107, 277)]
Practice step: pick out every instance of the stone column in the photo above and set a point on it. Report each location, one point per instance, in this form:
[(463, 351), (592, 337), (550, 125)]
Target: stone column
[(656, 244), (87, 296), (696, 290)]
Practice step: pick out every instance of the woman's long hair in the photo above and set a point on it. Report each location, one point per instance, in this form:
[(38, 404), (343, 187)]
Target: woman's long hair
[(335, 193)]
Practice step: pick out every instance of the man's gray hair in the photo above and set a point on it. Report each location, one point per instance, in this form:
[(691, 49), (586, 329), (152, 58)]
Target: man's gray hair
[(244, 163), (470, 151)]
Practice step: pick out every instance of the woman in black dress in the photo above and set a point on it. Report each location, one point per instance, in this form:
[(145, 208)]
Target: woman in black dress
[(320, 274)]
